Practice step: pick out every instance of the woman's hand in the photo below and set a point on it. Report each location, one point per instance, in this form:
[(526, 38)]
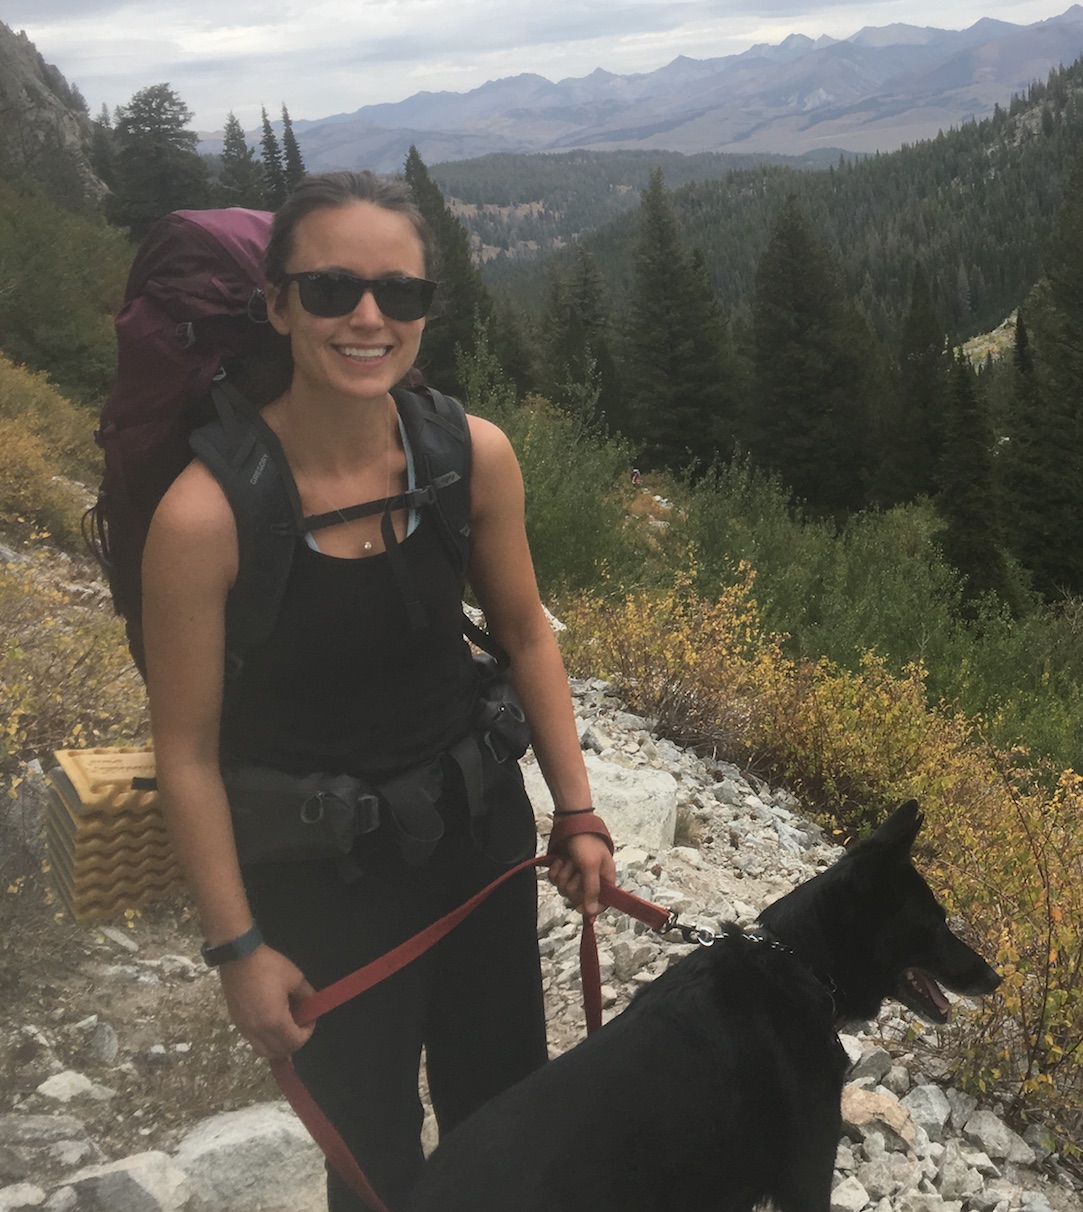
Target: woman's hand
[(261, 990), (579, 871)]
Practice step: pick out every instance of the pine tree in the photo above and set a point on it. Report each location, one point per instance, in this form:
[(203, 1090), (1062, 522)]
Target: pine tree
[(157, 167), (578, 362), (1046, 490), (967, 502), (464, 306), (812, 370), (513, 346), (910, 435), (102, 150), (714, 367), (294, 165), (1021, 464), (274, 173), (241, 180), (672, 343)]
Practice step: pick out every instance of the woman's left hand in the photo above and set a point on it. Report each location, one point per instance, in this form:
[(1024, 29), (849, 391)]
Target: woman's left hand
[(578, 872)]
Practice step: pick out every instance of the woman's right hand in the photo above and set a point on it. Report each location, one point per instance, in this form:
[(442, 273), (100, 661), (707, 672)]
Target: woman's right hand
[(261, 990)]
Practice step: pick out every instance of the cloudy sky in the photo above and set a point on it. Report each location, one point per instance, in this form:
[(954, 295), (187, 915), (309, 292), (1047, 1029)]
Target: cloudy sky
[(323, 57)]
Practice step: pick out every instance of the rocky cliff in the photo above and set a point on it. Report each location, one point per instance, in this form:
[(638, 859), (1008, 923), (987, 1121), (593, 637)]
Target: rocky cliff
[(41, 118)]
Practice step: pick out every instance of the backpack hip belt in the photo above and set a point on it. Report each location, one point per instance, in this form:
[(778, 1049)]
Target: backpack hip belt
[(281, 817)]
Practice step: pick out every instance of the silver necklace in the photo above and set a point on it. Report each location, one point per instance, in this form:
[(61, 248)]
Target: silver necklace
[(315, 489)]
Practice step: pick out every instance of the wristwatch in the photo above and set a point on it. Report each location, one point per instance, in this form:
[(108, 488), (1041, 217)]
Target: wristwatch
[(235, 949)]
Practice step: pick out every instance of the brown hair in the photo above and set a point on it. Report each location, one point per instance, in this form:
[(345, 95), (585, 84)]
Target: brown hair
[(333, 190)]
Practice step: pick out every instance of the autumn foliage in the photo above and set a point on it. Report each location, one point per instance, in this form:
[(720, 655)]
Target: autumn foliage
[(1002, 844)]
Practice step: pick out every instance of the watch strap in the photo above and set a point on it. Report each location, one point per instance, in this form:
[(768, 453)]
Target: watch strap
[(235, 949)]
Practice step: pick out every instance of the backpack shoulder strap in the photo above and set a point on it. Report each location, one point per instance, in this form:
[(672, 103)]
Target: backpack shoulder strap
[(439, 436), (443, 437), (244, 455)]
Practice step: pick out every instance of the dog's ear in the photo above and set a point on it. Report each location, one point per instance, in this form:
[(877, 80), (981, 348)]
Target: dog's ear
[(900, 829)]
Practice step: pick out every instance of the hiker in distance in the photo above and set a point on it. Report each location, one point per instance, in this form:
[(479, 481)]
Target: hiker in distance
[(366, 682)]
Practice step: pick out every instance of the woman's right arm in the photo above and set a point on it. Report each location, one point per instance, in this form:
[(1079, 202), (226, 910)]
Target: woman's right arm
[(189, 564)]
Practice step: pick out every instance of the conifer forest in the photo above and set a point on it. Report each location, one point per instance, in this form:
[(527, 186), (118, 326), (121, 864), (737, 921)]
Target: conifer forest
[(802, 321)]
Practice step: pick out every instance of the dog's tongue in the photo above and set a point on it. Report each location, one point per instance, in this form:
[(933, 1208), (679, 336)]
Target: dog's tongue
[(931, 990)]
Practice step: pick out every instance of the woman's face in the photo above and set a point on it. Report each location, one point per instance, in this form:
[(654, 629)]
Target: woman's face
[(362, 354)]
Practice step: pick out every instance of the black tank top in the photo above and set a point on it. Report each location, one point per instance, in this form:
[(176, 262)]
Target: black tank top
[(346, 684)]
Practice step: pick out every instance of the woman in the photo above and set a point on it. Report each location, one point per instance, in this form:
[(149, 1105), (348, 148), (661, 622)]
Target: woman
[(349, 684)]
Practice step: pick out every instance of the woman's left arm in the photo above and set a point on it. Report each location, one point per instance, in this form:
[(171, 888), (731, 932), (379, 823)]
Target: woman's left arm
[(501, 573)]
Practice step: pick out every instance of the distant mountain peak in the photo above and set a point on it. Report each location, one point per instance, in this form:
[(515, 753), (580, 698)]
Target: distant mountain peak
[(898, 34), (880, 88)]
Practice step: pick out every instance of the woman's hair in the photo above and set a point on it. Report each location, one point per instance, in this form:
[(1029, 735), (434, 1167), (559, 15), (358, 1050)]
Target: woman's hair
[(333, 190)]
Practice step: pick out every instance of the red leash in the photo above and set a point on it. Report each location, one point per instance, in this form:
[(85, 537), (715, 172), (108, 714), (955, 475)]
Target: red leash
[(311, 1008)]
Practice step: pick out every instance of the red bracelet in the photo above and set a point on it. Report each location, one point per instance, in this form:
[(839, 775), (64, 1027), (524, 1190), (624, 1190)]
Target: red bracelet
[(569, 824)]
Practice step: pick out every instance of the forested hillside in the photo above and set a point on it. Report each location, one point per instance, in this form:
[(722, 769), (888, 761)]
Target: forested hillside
[(975, 204), (526, 204), (803, 320)]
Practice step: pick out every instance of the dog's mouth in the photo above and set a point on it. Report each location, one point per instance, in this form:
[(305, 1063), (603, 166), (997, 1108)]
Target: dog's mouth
[(919, 992)]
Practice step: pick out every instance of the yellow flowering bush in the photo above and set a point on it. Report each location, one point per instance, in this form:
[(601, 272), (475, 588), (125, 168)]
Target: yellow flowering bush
[(47, 457), (66, 678), (698, 668), (1002, 845)]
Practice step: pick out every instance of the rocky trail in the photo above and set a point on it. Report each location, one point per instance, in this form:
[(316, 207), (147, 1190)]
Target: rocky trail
[(123, 1087)]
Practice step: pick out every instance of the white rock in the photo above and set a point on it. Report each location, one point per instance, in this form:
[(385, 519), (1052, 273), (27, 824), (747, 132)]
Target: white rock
[(260, 1159), (639, 806), (957, 1180), (63, 1087), (128, 1184), (929, 1108), (873, 1063), (119, 937), (849, 1196), (21, 1195), (995, 1138)]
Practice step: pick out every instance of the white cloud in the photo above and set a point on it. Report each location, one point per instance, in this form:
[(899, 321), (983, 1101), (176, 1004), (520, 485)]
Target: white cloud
[(333, 56)]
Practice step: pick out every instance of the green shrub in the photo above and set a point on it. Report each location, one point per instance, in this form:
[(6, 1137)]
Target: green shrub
[(32, 498), (879, 584), (62, 278), (67, 429), (575, 482)]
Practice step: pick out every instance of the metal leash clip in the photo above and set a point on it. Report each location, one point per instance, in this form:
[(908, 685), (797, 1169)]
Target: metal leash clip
[(699, 935), (691, 934)]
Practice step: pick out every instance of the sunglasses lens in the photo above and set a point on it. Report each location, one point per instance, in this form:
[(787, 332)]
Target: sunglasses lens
[(329, 295), (403, 298)]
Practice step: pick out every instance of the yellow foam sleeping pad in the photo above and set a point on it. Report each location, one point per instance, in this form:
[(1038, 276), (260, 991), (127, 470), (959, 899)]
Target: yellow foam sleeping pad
[(108, 846)]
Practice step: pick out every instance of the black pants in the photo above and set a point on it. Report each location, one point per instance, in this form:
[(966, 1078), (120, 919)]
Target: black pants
[(473, 1001)]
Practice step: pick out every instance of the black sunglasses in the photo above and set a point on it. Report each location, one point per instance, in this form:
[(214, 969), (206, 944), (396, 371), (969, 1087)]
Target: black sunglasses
[(329, 293)]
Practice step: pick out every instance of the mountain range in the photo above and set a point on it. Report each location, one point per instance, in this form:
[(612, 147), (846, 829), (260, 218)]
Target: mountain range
[(881, 88)]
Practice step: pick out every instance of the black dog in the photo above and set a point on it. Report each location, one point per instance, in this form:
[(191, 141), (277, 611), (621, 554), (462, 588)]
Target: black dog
[(719, 1087)]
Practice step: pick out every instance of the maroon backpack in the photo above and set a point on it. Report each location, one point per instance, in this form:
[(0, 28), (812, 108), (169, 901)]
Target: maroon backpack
[(196, 360), (193, 305)]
